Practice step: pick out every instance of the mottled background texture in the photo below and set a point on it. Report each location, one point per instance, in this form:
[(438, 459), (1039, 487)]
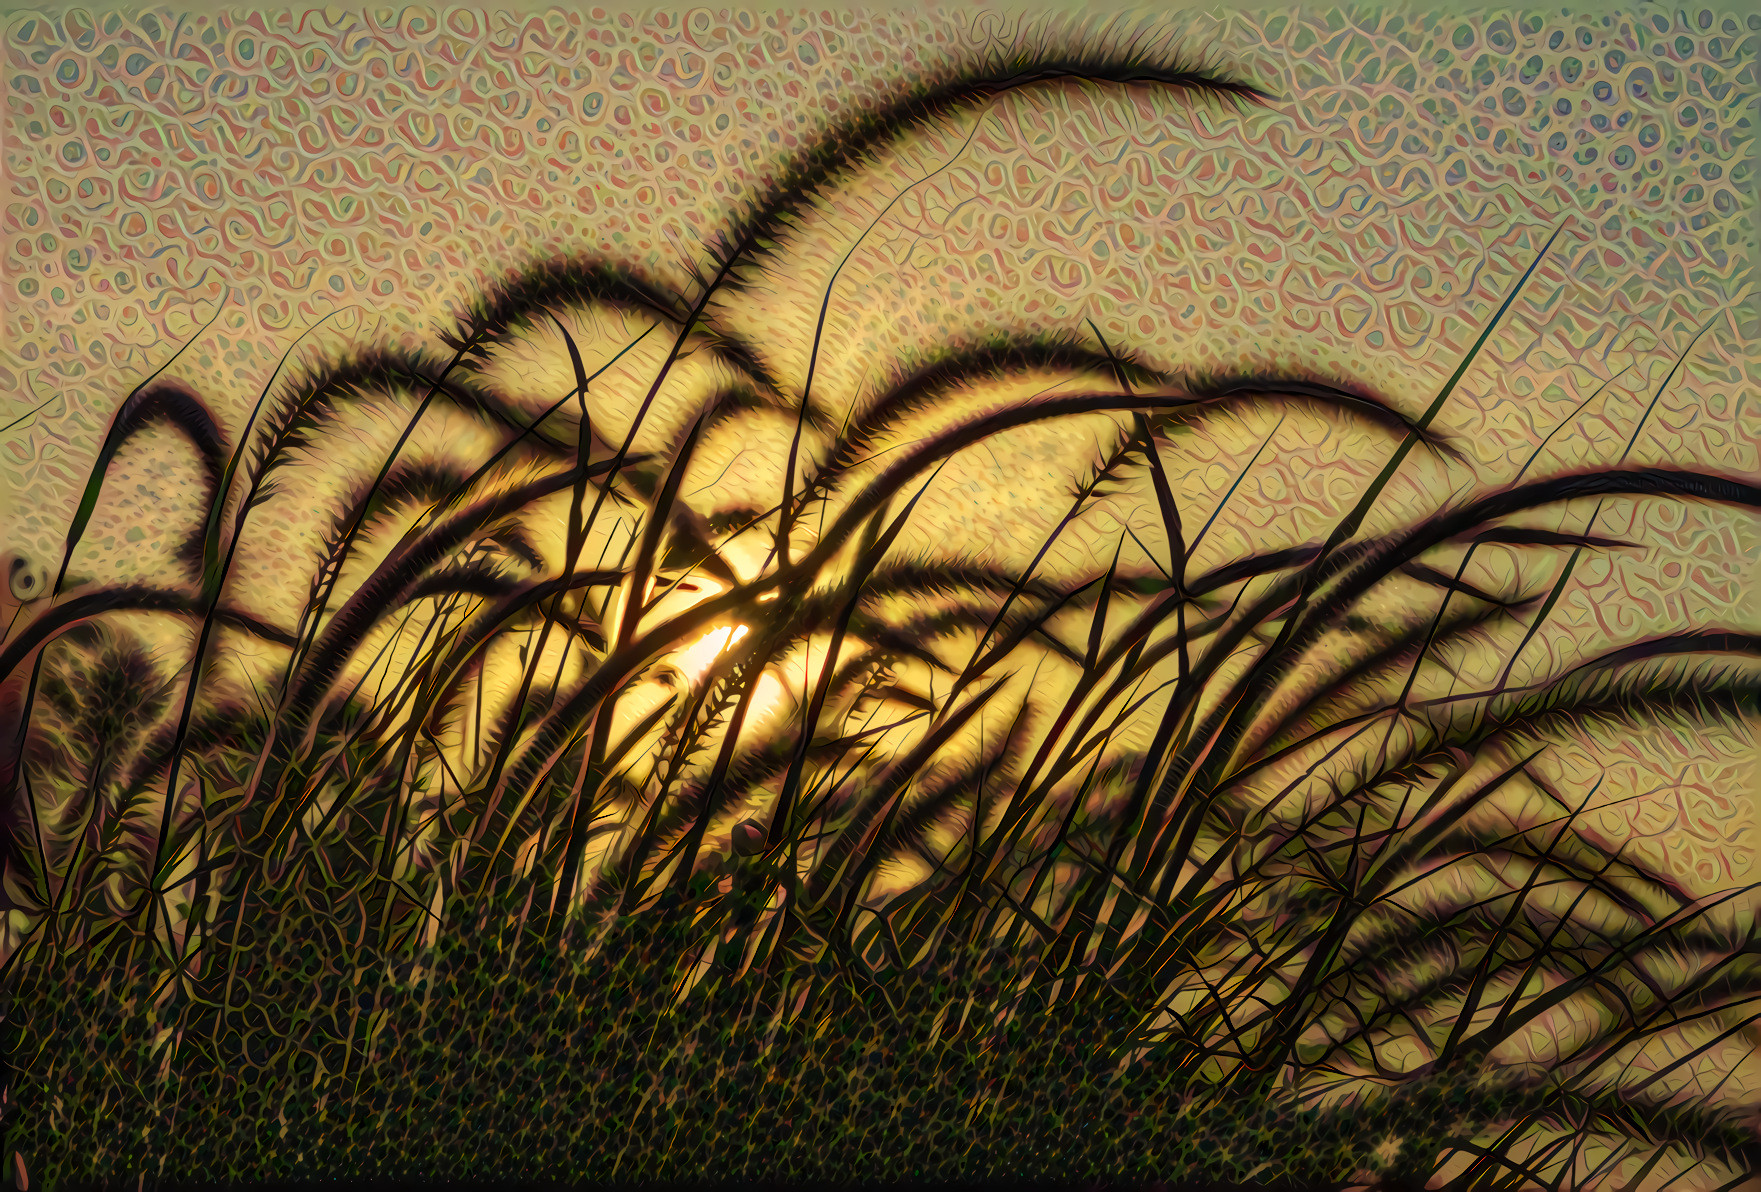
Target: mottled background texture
[(385, 163)]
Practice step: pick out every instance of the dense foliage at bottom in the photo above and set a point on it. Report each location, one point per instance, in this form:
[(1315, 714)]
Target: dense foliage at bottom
[(508, 1060)]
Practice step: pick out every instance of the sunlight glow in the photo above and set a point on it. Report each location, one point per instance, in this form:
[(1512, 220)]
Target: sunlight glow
[(697, 657)]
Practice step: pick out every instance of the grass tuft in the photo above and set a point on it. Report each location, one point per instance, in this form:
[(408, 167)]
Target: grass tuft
[(581, 829)]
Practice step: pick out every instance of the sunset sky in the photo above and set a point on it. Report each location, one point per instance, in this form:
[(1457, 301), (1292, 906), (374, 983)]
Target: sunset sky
[(375, 168)]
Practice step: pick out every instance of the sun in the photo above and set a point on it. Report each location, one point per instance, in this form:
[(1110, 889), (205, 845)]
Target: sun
[(694, 661)]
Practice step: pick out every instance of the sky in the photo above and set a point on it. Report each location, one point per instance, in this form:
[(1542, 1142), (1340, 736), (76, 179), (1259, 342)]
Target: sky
[(224, 185)]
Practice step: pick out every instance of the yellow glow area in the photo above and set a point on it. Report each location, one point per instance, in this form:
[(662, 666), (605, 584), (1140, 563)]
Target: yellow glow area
[(697, 657)]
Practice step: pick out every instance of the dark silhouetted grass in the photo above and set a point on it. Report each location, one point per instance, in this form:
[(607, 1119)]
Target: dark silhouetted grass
[(366, 923)]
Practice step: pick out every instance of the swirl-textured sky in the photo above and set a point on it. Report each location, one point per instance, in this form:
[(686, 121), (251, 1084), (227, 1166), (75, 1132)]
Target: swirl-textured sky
[(379, 165)]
